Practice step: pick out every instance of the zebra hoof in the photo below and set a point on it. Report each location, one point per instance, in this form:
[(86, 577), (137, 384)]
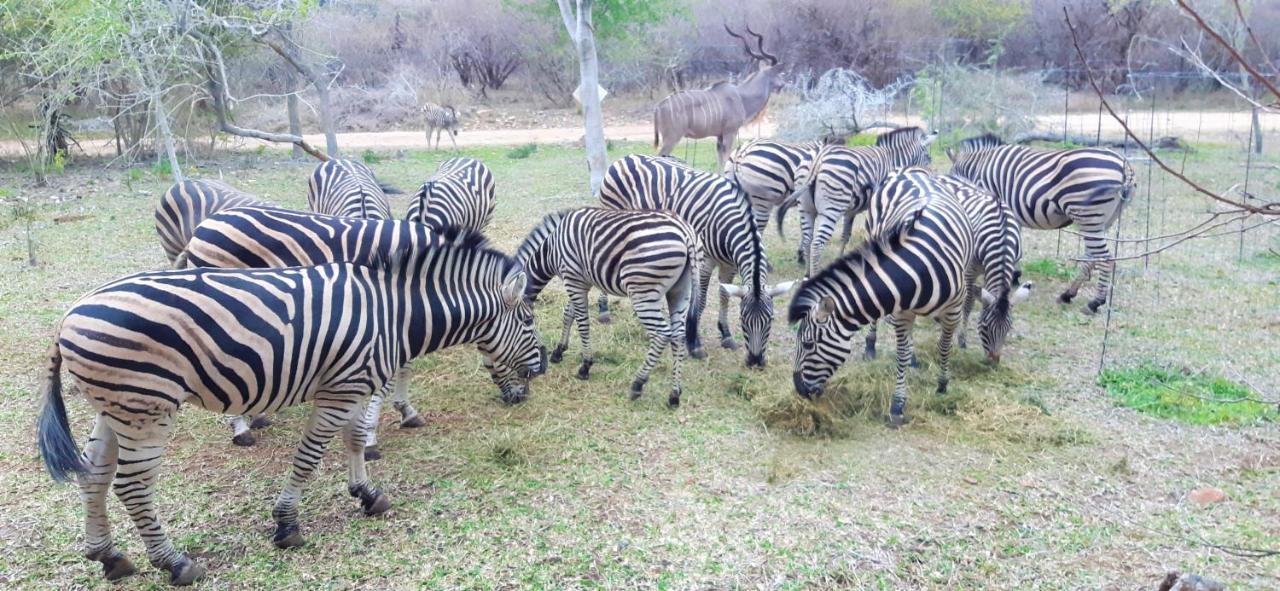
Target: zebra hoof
[(245, 439), (556, 356), (637, 388), (869, 353), (260, 422), (185, 572), (117, 566), (1066, 297), (898, 421), (371, 453), (698, 353), (915, 361), (728, 343), (287, 535), (673, 401), (375, 503), (942, 387), (584, 371), (605, 318), (413, 422), (1092, 307)]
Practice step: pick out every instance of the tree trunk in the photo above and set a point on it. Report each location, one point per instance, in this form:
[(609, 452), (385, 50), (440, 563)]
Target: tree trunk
[(1257, 132), (285, 48), (581, 32), (291, 105)]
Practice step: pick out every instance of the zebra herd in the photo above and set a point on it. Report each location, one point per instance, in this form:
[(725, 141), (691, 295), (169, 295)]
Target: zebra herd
[(268, 307)]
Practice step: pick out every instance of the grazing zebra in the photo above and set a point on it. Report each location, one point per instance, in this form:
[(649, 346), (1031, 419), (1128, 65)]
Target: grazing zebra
[(719, 211), (648, 256), (843, 180), (1052, 189), (460, 193), (769, 172), (914, 265), (997, 252), (347, 188), (259, 340), (189, 202), (440, 119), (272, 238)]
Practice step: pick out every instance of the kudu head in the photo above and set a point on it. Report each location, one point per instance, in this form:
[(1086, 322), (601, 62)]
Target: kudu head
[(767, 68)]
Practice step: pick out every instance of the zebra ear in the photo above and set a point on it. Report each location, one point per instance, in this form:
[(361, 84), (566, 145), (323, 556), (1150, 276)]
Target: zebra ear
[(988, 298), (731, 290), (1023, 292), (929, 139), (822, 312), (782, 288), (513, 288)]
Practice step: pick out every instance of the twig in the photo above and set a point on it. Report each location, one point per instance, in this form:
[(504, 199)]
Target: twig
[(1198, 234), (1227, 46)]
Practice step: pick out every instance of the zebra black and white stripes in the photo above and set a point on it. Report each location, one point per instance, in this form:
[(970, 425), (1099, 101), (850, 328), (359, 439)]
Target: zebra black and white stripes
[(347, 188), (440, 119), (1052, 189), (913, 265), (259, 340), (720, 212), (460, 194), (842, 181), (648, 256), (189, 202), (771, 171)]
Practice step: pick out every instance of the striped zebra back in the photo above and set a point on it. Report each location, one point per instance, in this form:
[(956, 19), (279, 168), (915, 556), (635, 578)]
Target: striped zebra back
[(347, 188), (188, 203), (252, 237), (1040, 185), (460, 193), (769, 171), (846, 177), (997, 234), (440, 116)]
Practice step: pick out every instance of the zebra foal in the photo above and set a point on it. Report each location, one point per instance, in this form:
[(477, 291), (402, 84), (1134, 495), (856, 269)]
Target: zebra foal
[(440, 119), (1053, 189), (460, 194), (259, 340), (649, 257), (912, 266)]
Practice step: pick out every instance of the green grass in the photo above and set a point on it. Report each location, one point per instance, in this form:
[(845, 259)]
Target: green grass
[(1044, 268), (522, 152), (1193, 398)]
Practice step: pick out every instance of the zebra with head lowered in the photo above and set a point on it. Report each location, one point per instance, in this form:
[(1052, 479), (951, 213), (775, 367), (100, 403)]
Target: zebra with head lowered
[(188, 203), (274, 238), (648, 256), (259, 340), (347, 188), (996, 255), (720, 213), (842, 182), (460, 194), (1052, 189), (771, 171), (913, 265)]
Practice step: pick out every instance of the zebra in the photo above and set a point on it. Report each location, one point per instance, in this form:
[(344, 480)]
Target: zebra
[(1053, 189), (770, 171), (460, 193), (997, 252), (719, 211), (843, 180), (347, 188), (914, 265), (259, 340), (267, 238), (438, 119), (187, 203), (649, 256)]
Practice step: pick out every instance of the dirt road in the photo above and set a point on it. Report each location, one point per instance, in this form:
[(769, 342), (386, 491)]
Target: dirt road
[(1219, 126)]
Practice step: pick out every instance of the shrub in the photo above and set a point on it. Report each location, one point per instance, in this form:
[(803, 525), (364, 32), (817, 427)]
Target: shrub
[(522, 152)]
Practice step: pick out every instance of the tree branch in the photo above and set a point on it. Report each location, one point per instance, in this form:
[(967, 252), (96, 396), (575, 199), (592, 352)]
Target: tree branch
[(1227, 46)]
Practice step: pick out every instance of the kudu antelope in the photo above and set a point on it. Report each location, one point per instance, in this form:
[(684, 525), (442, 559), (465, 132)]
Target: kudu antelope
[(719, 110)]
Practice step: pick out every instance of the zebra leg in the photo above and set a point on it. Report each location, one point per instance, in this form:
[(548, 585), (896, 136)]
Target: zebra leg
[(869, 352), (822, 229), (846, 230), (453, 137), (902, 328), (557, 354), (722, 323), (371, 413), (602, 308), (409, 417), (648, 308), (692, 339), (578, 298), (100, 459), (329, 415), (260, 421), (240, 431), (1096, 246), (949, 320), (806, 234), (678, 300), (147, 436), (971, 291), (372, 500)]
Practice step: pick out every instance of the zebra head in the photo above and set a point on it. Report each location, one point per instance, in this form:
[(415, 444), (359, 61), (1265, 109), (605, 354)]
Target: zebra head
[(907, 146), (756, 316), (823, 340), (996, 322), (513, 352)]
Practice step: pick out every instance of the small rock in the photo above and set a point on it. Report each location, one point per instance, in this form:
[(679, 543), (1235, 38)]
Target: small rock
[(1188, 582), (970, 480), (1207, 495)]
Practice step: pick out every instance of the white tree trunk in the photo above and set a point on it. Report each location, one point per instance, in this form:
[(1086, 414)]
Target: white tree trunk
[(581, 32)]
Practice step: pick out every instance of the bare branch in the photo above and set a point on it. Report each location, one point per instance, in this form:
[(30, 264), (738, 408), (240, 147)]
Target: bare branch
[(1227, 46)]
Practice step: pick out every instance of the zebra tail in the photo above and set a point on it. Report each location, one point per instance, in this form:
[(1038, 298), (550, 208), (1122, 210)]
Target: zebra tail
[(180, 261), (788, 203), (655, 129), (57, 447)]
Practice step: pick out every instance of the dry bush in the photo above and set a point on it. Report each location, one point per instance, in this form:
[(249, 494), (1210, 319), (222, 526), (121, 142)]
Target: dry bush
[(841, 103), (966, 101)]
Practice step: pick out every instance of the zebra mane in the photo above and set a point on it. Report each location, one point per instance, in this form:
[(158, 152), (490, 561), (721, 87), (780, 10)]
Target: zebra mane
[(888, 137), (806, 297), (986, 140), (539, 233), (453, 238)]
